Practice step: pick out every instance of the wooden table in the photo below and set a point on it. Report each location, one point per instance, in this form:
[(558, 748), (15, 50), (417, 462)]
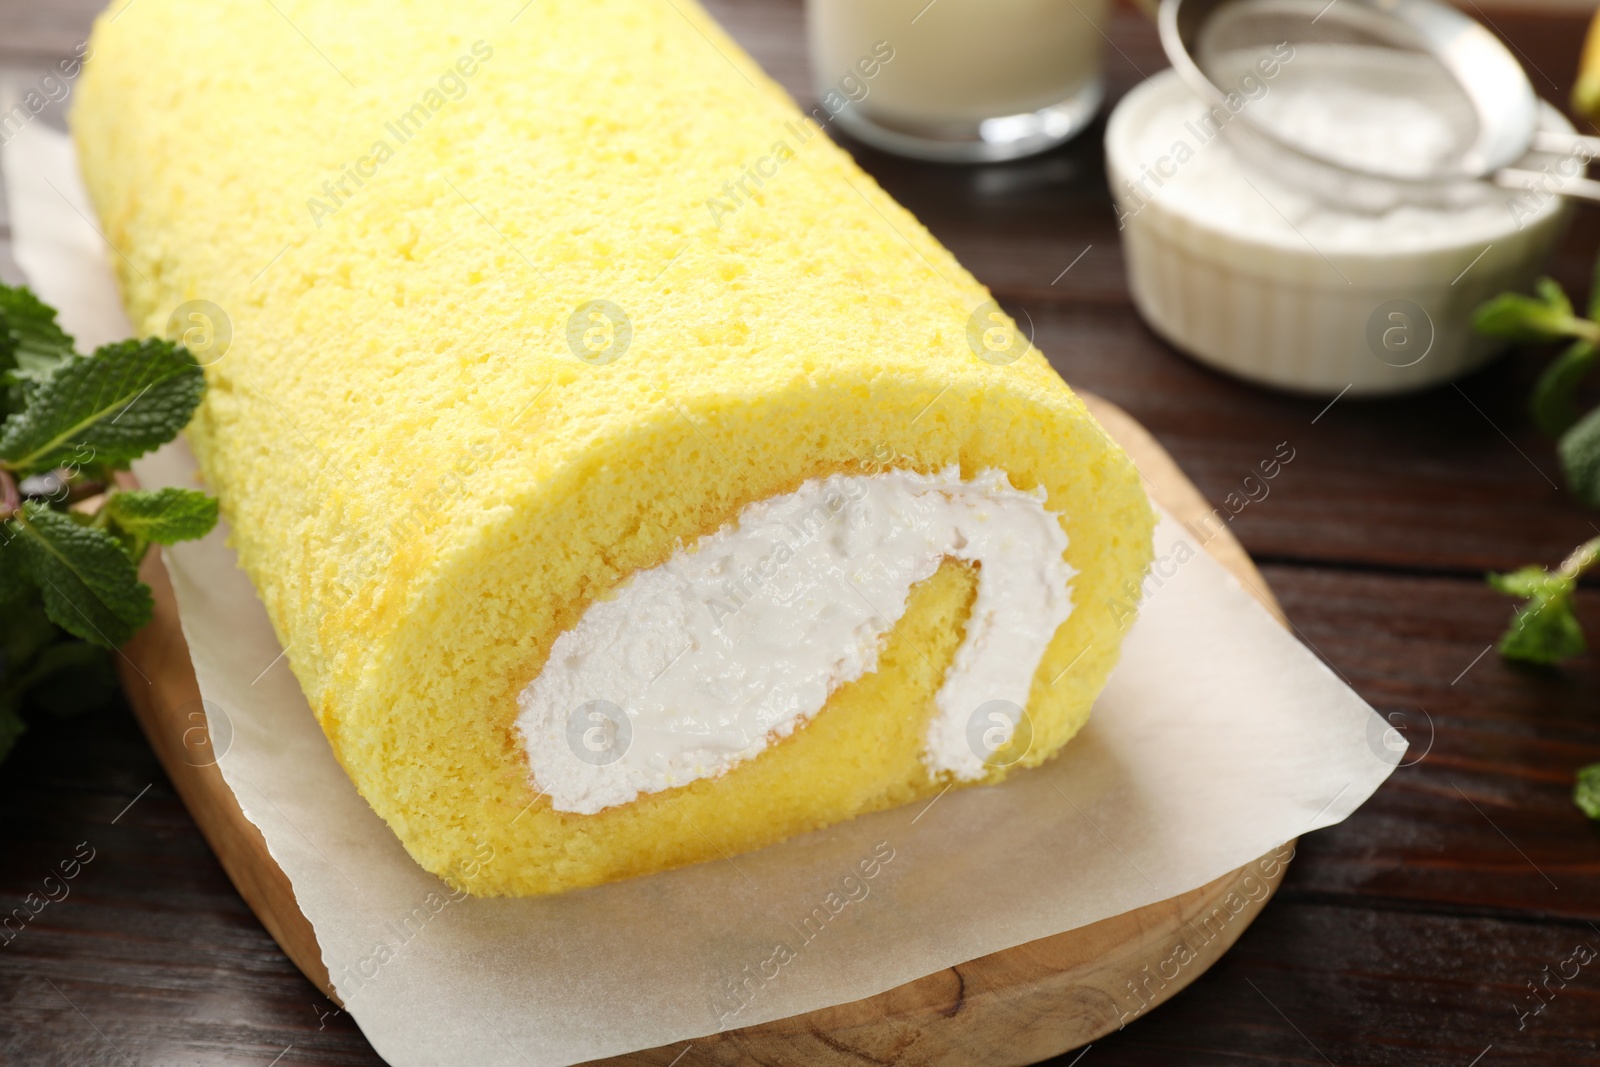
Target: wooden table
[(1409, 934)]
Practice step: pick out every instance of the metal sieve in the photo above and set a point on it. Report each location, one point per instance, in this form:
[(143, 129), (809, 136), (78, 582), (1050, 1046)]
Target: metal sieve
[(1370, 104)]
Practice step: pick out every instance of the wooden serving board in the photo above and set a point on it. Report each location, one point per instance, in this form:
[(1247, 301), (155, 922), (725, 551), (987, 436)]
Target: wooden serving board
[(1014, 1007)]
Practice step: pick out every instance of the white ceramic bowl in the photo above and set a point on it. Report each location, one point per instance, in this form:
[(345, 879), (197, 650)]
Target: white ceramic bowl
[(1381, 305)]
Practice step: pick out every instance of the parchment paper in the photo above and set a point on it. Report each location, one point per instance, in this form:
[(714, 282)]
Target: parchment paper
[(1219, 738)]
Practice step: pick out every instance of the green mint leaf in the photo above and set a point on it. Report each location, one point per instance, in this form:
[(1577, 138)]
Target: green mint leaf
[(89, 585), (164, 516), (1554, 394), (1545, 628), (1543, 631), (115, 405), (14, 580), (1554, 297), (1586, 790), (1526, 582), (1579, 449), (32, 343), (1516, 317)]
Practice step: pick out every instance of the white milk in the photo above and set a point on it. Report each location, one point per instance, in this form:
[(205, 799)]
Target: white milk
[(957, 63)]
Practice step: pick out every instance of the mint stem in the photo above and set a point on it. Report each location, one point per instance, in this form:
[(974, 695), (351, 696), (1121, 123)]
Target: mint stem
[(1583, 329), (1582, 558)]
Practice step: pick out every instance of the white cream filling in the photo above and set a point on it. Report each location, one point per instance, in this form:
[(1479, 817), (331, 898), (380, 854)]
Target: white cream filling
[(698, 664)]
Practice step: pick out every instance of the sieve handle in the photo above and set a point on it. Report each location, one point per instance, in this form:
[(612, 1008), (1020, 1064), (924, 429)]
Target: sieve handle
[(1553, 142), (1529, 180), (1558, 143)]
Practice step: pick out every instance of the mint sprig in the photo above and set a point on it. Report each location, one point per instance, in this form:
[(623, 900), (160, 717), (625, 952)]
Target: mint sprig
[(1549, 317), (70, 541), (1545, 628), (1534, 319), (123, 401)]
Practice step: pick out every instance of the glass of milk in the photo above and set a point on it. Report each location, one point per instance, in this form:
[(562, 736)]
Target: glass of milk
[(957, 80)]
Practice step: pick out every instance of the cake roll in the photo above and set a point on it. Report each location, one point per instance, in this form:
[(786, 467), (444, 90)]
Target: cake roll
[(630, 481)]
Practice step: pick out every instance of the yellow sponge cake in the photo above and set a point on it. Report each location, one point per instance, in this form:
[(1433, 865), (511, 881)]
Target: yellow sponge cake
[(629, 479)]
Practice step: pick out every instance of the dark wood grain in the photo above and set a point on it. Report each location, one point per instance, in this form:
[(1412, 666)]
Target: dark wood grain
[(1406, 935)]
